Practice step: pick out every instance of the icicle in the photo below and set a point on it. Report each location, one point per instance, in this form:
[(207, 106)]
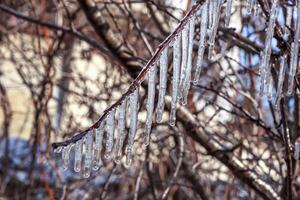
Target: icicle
[(88, 154), (110, 129), (250, 6), (201, 42), (97, 161), (256, 8), (78, 156), (150, 102), (297, 151), (294, 53), (215, 25), (175, 81), (265, 64), (133, 125), (281, 76), (289, 17), (184, 48), (121, 132), (228, 12), (163, 62), (65, 154), (211, 13), (186, 84), (270, 87)]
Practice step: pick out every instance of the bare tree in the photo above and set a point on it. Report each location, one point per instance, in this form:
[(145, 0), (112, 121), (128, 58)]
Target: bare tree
[(149, 99)]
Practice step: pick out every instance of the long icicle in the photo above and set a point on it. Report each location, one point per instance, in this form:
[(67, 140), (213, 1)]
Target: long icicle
[(294, 52), (110, 129), (289, 18), (202, 42), (265, 64), (214, 30), (175, 80), (163, 66), (66, 156), (270, 86), (228, 12), (97, 161), (184, 55), (78, 156), (281, 76), (121, 132), (133, 125), (187, 78), (150, 103), (88, 154), (210, 14)]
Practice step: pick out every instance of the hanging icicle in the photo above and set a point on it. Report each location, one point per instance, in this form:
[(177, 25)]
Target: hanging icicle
[(215, 24), (281, 76), (265, 74), (294, 52), (186, 83), (163, 66), (184, 51), (150, 103), (175, 81), (201, 48), (289, 18), (78, 156), (110, 129), (251, 4), (227, 14), (297, 151), (66, 156), (88, 154), (133, 125), (121, 132), (211, 13), (97, 161), (270, 87)]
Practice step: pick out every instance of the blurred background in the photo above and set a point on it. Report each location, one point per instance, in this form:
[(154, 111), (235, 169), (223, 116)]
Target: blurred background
[(61, 66)]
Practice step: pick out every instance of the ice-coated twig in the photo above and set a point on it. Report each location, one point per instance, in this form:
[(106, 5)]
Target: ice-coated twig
[(97, 161), (110, 129), (88, 154), (228, 12), (187, 78), (201, 49), (163, 66), (294, 52), (265, 63), (150, 103), (133, 125), (175, 80), (121, 132), (78, 156)]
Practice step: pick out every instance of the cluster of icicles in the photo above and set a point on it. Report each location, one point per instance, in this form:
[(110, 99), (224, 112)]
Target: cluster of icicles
[(88, 148), (266, 80)]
